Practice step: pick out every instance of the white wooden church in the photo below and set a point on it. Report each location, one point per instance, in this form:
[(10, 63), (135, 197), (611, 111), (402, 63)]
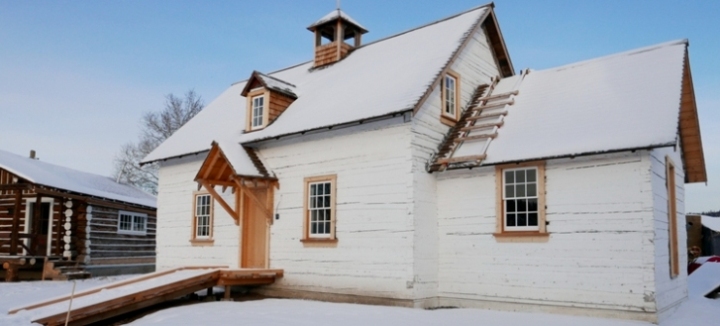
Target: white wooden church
[(422, 170)]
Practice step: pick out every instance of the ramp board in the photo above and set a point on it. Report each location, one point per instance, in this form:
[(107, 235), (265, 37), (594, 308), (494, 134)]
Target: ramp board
[(121, 297), (704, 280)]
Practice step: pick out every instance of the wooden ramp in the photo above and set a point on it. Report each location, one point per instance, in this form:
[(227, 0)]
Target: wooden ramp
[(117, 298)]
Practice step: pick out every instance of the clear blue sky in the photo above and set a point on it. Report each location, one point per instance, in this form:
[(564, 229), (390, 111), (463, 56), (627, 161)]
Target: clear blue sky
[(76, 76)]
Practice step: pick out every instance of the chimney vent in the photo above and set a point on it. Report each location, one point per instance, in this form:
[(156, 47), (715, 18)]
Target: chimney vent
[(32, 154), (335, 28)]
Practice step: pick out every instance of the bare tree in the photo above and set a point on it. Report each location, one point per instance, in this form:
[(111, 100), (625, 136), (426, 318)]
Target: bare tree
[(156, 128)]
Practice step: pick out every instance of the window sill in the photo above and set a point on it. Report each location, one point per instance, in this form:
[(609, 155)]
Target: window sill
[(312, 242), (449, 121), (202, 242), (522, 236)]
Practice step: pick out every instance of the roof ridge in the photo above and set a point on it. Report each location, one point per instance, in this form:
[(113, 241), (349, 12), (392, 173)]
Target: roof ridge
[(613, 55), (490, 4)]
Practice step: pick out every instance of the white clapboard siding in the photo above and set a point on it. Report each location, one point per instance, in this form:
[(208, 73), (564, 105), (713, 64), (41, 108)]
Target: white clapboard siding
[(476, 66), (598, 254), (670, 291), (373, 255), (175, 214)]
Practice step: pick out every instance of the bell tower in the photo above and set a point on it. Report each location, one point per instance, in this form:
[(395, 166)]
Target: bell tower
[(331, 33)]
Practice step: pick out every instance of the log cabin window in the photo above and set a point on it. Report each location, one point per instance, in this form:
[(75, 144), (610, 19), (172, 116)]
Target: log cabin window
[(450, 97), (319, 208), (258, 111), (202, 218), (521, 199), (132, 223), (672, 218)]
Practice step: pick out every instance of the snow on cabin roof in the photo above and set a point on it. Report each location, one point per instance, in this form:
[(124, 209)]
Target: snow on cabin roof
[(63, 178), (333, 15), (619, 102), (710, 222), (396, 71)]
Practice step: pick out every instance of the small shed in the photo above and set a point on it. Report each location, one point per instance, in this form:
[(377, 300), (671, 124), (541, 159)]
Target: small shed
[(61, 223), (704, 233)]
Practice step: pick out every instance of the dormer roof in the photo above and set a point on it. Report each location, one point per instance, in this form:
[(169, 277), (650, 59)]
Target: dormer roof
[(335, 15), (269, 82)]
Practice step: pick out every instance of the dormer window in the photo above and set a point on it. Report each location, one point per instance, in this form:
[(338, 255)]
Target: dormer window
[(450, 98), (258, 109), (267, 98)]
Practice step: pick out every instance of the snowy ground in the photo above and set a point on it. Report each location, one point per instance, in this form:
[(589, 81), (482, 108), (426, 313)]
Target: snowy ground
[(695, 311)]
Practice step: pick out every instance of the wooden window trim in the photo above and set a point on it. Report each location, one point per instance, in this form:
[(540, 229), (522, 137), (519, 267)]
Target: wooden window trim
[(306, 238), (194, 240), (249, 108), (450, 120), (670, 184), (501, 234)]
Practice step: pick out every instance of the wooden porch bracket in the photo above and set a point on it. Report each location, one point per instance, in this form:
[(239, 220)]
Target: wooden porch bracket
[(211, 189)]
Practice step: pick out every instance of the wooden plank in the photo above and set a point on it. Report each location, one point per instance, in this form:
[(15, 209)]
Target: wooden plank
[(462, 159), (489, 115), (476, 137), (494, 105), (483, 126), (498, 96)]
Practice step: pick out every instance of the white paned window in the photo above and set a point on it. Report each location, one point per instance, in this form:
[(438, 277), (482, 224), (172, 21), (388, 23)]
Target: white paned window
[(449, 107), (320, 209), (132, 223), (258, 109), (520, 199), (202, 216)]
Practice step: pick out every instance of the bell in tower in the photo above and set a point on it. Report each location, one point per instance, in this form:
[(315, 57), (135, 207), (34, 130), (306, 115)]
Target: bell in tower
[(331, 34)]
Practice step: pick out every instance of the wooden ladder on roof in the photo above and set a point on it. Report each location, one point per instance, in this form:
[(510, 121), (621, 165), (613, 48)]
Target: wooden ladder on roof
[(480, 122)]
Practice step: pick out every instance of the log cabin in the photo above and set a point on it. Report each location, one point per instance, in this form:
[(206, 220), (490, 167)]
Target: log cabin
[(60, 223), (421, 170)]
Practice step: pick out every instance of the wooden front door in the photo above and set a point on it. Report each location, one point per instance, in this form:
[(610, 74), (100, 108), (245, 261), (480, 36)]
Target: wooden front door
[(255, 233), (39, 228)]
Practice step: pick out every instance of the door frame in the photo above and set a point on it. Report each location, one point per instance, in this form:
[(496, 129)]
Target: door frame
[(28, 222)]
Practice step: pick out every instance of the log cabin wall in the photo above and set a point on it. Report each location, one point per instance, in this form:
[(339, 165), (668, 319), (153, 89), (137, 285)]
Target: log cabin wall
[(106, 246), (7, 208)]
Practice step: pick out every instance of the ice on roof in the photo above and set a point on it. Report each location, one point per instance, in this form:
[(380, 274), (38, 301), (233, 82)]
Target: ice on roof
[(395, 71), (333, 15), (624, 101), (63, 178)]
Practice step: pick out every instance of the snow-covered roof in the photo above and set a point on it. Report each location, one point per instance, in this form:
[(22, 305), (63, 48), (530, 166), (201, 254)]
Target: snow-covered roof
[(625, 101), (239, 159), (710, 222), (333, 15), (269, 82), (63, 178), (396, 70)]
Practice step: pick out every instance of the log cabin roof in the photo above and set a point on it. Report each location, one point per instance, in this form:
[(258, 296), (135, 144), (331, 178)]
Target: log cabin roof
[(397, 71), (633, 100), (62, 178)]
